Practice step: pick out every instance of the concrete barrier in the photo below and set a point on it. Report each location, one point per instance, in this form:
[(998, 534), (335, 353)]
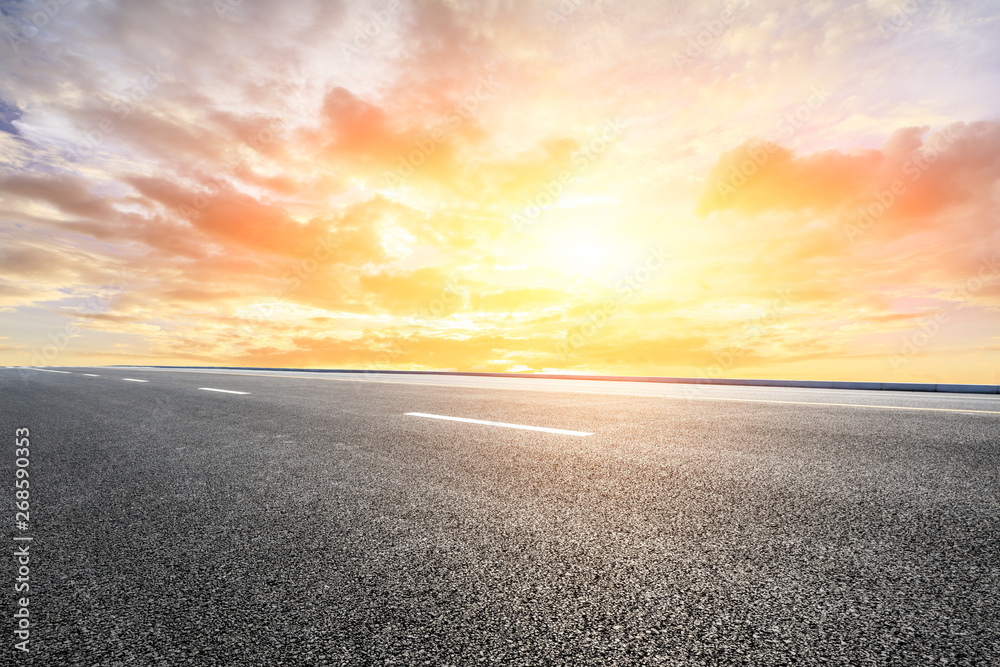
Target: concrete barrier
[(908, 386), (969, 388)]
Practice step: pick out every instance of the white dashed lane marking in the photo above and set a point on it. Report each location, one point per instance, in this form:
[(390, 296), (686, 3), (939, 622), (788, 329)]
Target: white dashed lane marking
[(223, 391), (133, 380)]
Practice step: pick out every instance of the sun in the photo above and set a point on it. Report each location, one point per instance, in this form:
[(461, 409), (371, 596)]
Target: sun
[(583, 241), (582, 255), (582, 252)]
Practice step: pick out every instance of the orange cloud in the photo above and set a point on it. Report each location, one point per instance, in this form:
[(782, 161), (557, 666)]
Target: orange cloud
[(909, 177)]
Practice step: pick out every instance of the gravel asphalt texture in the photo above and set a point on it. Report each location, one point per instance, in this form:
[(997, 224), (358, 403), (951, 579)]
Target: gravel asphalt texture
[(312, 522)]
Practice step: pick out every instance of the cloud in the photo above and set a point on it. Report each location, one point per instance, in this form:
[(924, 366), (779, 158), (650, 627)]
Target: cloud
[(222, 183), (8, 114), (948, 168), (68, 193), (233, 218)]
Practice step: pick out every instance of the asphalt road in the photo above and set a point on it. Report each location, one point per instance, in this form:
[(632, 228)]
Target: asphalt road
[(312, 521)]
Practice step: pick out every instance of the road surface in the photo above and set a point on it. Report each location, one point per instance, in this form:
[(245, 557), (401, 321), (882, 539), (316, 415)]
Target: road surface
[(289, 518)]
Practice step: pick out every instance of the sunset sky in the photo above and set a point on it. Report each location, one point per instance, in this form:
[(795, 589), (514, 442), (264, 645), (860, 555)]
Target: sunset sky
[(747, 189)]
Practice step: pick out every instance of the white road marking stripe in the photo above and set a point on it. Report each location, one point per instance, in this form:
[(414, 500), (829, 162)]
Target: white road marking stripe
[(134, 380), (92, 375), (46, 370), (223, 391), (520, 426)]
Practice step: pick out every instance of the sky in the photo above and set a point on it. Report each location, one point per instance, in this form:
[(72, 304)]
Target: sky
[(760, 189)]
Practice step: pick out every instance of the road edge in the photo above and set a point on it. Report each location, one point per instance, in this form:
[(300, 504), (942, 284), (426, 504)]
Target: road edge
[(803, 384)]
